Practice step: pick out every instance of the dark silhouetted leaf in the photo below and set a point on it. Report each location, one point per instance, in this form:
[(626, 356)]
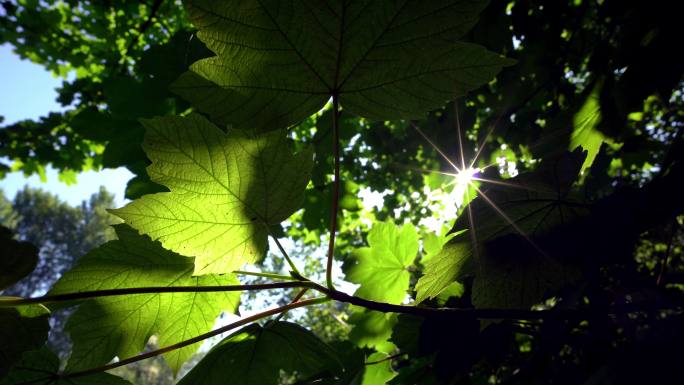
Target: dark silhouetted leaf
[(278, 63)]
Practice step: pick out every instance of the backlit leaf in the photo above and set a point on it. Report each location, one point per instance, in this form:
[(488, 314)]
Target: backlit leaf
[(105, 327), (256, 355), (510, 270), (378, 370), (381, 269), (444, 268), (226, 189), (433, 243), (585, 131), (372, 329), (277, 63)]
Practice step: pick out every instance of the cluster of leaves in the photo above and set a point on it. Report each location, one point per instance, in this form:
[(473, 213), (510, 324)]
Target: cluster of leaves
[(303, 104), (117, 60)]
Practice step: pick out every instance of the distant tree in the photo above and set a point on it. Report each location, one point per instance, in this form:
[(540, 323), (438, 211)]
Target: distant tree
[(62, 233)]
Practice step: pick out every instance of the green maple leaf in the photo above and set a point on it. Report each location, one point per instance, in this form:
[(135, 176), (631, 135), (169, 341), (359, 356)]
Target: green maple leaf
[(586, 122), (256, 355), (510, 277), (105, 327), (381, 269), (22, 328), (372, 329), (518, 282), (41, 367), (433, 243), (226, 189), (443, 268), (378, 370), (277, 63)]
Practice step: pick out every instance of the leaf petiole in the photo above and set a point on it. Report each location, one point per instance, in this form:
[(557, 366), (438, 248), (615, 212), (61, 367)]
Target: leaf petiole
[(268, 275), (336, 191)]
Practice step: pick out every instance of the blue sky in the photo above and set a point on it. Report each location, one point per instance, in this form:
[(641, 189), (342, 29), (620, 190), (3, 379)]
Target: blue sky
[(28, 91)]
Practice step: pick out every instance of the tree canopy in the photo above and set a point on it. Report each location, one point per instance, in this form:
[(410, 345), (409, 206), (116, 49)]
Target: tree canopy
[(500, 182)]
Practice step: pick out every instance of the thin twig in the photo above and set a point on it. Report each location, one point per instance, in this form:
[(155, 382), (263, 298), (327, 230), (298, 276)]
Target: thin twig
[(293, 267), (148, 290), (196, 339), (267, 275), (388, 358), (336, 192), (666, 257), (515, 314), (294, 300)]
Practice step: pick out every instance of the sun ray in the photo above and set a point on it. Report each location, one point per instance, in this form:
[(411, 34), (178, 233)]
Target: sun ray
[(459, 136), (484, 142), (502, 183), (435, 147), (508, 219), (473, 233), (424, 170), (471, 220), (467, 176)]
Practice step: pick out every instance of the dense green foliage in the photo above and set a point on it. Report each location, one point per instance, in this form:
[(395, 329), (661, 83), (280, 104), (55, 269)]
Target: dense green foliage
[(559, 261)]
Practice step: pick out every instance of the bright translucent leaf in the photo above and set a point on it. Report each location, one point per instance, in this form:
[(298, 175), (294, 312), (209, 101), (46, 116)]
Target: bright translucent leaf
[(17, 260), (585, 131), (372, 329), (378, 370), (381, 269), (454, 290), (517, 274), (442, 269), (433, 243), (256, 355), (226, 189), (277, 63), (41, 367), (22, 328), (120, 326)]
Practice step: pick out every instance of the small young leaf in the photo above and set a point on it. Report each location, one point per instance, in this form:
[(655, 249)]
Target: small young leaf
[(381, 269), (105, 327), (378, 370), (444, 268), (225, 190), (41, 367), (585, 131), (433, 243), (255, 355), (22, 328), (277, 64), (372, 329)]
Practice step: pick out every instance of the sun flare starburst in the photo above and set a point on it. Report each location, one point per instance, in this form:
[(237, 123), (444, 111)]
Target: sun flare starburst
[(466, 176)]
